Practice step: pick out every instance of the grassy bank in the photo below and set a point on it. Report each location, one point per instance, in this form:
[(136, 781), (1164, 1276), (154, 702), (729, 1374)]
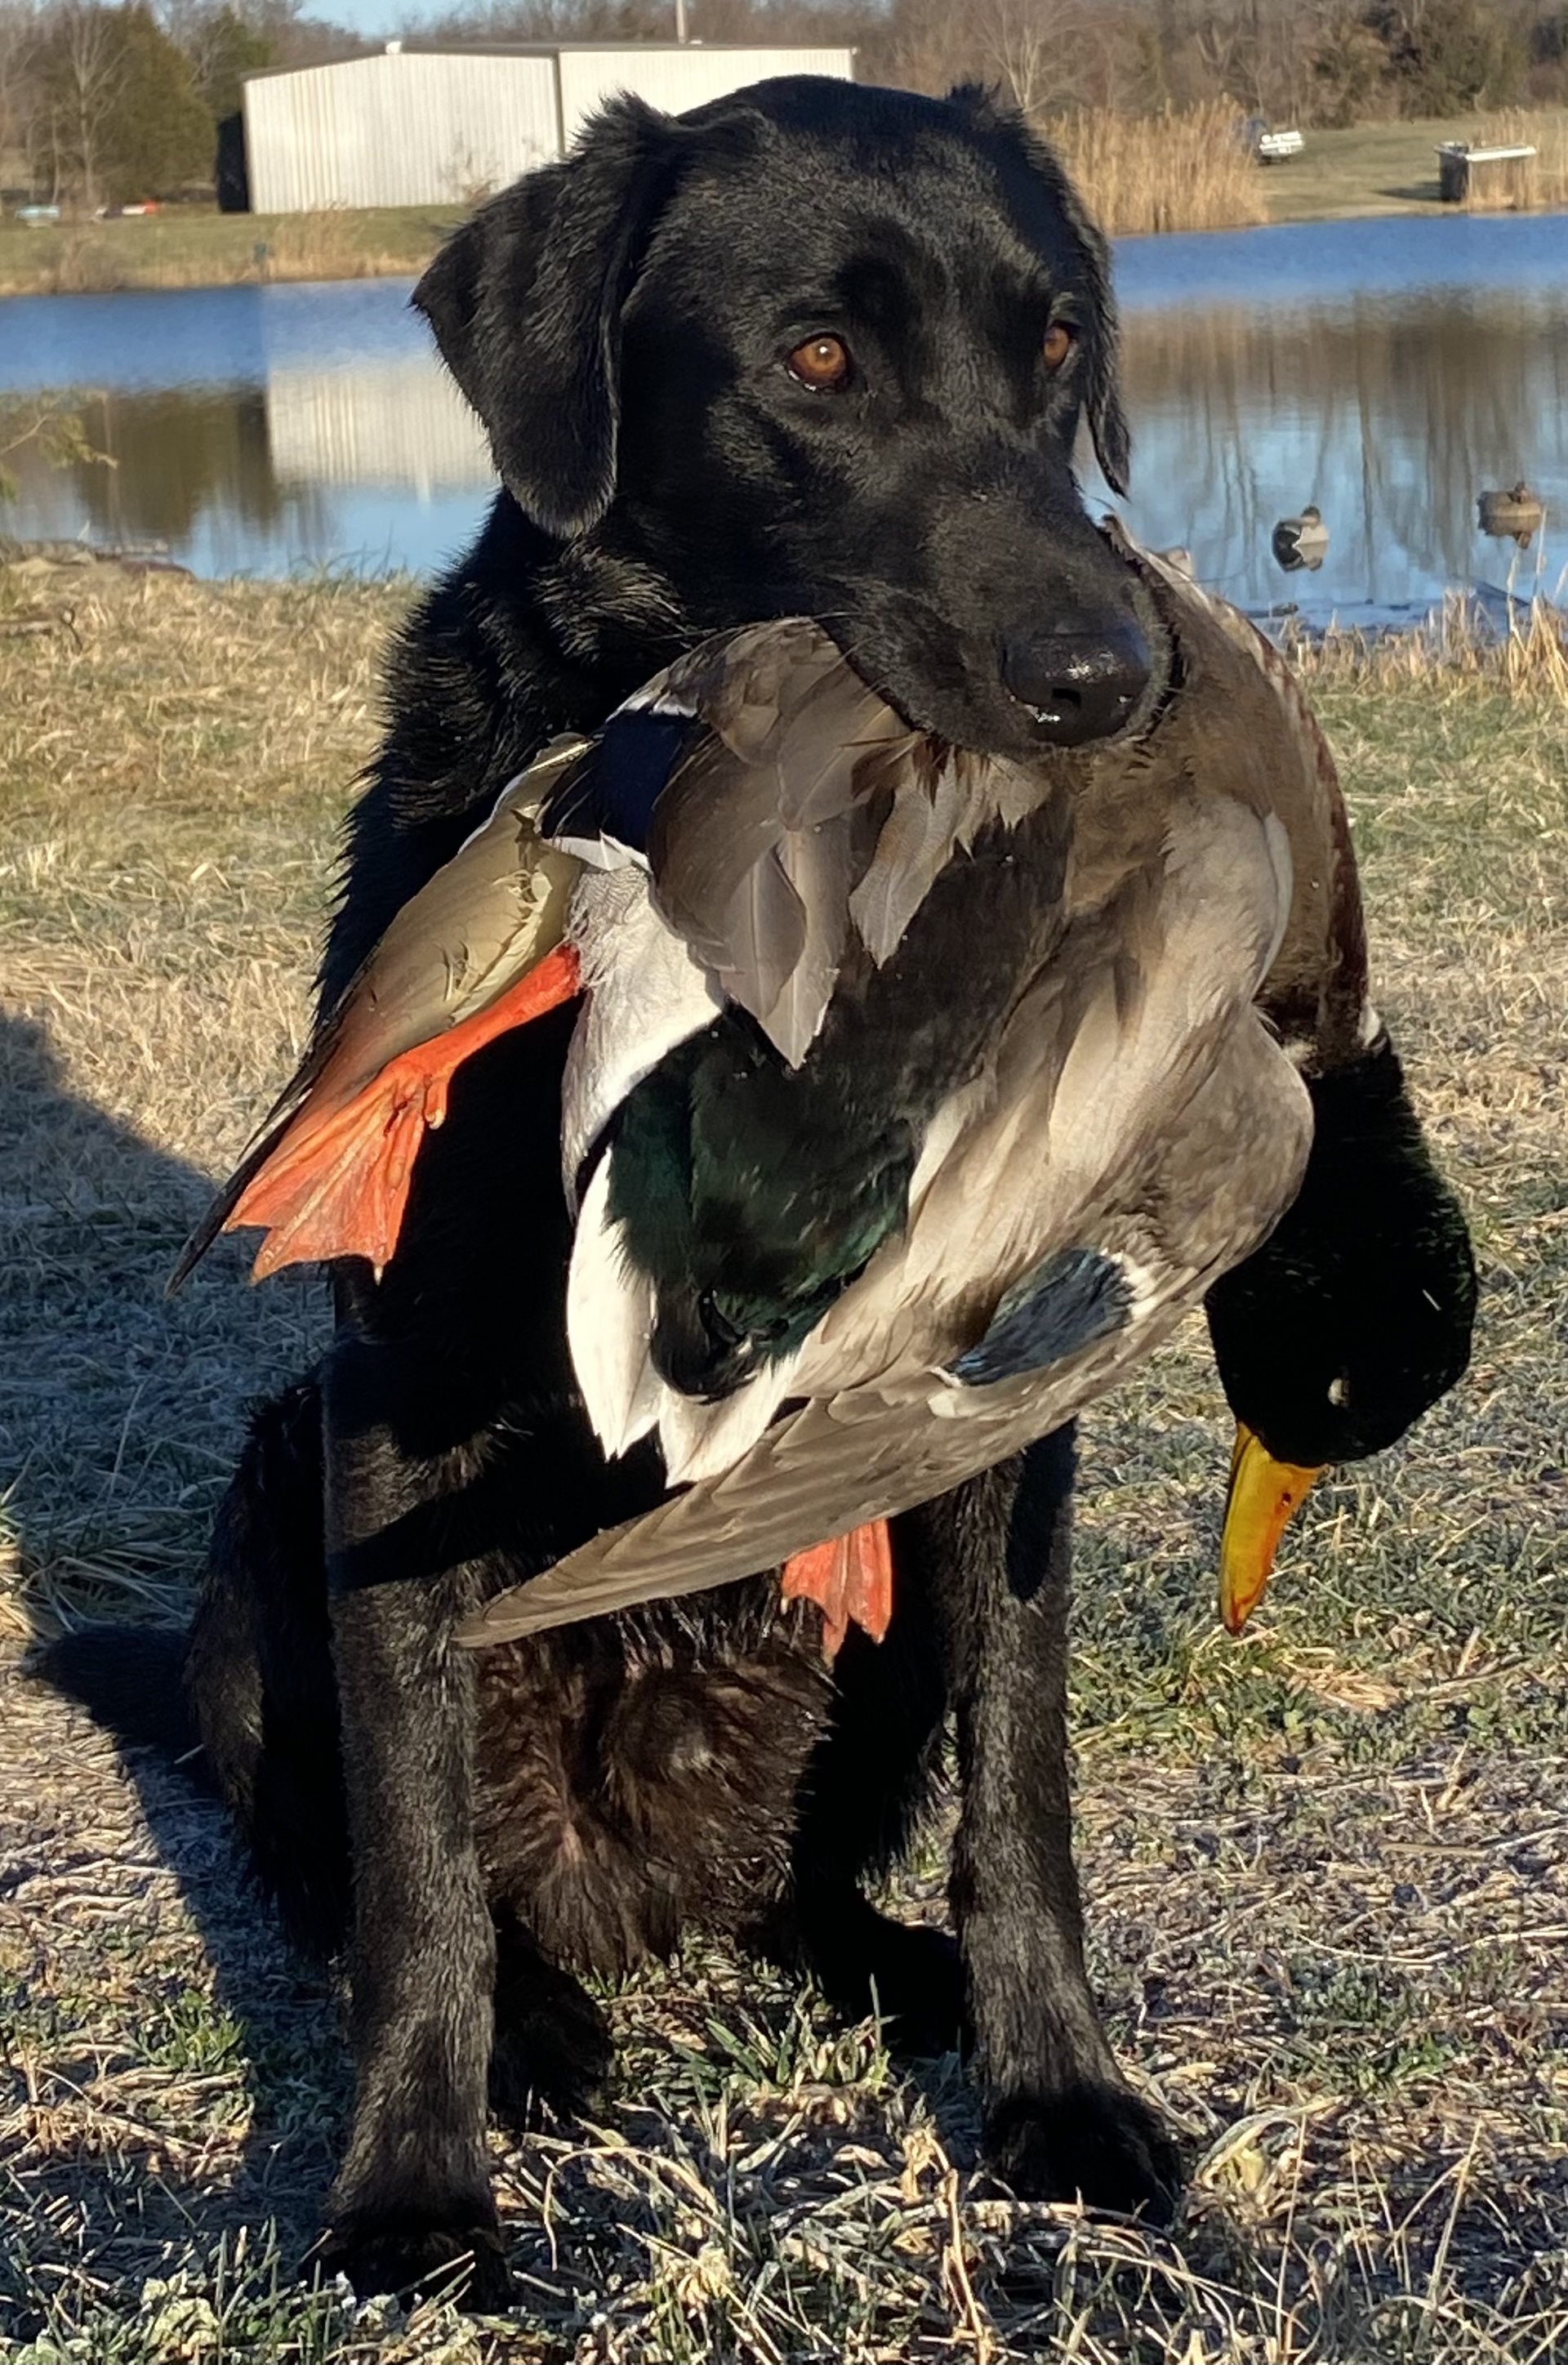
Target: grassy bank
[(1391, 168), (1327, 1866), (193, 249), (1180, 175), (1184, 173)]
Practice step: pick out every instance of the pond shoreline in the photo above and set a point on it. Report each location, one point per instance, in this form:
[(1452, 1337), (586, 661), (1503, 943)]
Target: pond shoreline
[(1387, 371), (195, 250), (1375, 172)]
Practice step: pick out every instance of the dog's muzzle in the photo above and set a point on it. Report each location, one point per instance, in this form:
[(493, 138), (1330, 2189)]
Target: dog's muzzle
[(1079, 683)]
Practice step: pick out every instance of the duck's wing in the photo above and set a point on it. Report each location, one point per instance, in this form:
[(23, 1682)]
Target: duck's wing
[(806, 815), (1137, 1131), (752, 781), (836, 1465), (1316, 994), (477, 951), (789, 812)]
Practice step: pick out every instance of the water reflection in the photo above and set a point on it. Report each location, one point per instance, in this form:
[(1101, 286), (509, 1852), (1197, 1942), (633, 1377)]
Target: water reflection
[(251, 429), (1387, 372), (1391, 415), (174, 457), (406, 426)]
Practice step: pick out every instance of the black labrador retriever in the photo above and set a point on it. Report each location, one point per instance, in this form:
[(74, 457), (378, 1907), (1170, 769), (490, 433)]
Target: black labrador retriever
[(813, 348)]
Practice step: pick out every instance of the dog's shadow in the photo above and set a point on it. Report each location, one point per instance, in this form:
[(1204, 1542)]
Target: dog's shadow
[(120, 1414), (120, 1411)]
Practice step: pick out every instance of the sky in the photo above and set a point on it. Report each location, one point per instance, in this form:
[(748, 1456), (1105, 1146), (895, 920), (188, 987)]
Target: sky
[(369, 16), (389, 16)]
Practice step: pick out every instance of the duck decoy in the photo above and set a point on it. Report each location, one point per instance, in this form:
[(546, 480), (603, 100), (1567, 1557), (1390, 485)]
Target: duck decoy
[(1301, 541), (1515, 516), (913, 1097)]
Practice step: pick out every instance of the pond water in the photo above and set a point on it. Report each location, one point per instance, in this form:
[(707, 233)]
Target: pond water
[(1387, 371)]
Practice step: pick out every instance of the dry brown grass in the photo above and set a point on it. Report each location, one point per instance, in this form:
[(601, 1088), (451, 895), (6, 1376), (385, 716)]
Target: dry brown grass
[(1458, 647), (1539, 185), (1327, 1866), (1171, 172), (203, 250)]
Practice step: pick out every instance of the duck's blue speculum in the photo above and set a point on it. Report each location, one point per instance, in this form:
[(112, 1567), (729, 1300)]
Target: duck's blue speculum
[(1067, 1301)]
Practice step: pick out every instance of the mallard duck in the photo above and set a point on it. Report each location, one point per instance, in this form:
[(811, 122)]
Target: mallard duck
[(913, 1097), (1515, 516), (1301, 541)]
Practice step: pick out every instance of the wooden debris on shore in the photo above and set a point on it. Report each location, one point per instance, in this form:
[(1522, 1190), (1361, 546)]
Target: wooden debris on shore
[(31, 623), (130, 557)]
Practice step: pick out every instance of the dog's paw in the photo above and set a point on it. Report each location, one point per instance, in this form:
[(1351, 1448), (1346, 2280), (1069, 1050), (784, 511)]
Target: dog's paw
[(552, 2047), (1097, 2142), (916, 1982), (911, 1976), (464, 2263)]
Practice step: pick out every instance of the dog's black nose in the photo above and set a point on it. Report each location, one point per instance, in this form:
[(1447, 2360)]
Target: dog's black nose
[(1078, 683)]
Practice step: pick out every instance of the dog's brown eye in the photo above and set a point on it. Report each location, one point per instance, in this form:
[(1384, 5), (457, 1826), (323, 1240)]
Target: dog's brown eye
[(822, 362), (1056, 345)]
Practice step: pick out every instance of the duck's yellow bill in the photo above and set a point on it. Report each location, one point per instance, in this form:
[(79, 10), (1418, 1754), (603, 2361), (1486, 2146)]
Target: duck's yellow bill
[(1263, 1493)]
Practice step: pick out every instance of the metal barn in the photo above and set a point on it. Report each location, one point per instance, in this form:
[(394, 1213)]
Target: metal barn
[(420, 125)]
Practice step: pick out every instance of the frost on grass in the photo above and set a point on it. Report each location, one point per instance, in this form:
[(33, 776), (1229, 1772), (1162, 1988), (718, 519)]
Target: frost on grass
[(1326, 1867)]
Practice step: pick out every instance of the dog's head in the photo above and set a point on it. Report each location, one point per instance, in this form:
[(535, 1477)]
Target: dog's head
[(821, 349)]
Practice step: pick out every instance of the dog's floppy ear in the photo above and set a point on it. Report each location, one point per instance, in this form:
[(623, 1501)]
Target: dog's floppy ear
[(525, 302), (989, 111)]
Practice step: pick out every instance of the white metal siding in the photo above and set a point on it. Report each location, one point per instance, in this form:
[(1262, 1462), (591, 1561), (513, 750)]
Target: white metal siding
[(676, 79), (404, 424), (399, 129)]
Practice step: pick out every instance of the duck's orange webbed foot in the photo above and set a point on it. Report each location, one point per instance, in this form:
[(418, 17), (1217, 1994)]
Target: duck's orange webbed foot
[(337, 1183), (851, 1577)]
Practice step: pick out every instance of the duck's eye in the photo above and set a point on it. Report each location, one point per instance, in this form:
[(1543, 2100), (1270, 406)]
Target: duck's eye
[(717, 1321), (822, 362), (1056, 345)]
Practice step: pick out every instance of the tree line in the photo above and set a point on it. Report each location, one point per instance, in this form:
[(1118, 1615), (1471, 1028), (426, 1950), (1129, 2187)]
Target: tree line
[(104, 104)]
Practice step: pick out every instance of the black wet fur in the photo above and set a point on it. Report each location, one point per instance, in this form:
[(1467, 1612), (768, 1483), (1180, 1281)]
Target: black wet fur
[(1356, 1313), (517, 1818)]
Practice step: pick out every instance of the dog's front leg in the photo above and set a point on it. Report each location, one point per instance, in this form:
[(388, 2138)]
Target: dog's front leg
[(1059, 2119), (413, 2194)]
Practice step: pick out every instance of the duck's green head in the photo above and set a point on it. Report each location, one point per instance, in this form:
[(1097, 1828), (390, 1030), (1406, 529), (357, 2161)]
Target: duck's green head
[(1352, 1319)]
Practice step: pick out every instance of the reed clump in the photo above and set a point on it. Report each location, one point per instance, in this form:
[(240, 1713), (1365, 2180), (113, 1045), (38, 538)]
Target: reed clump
[(1178, 171), (1537, 184), (1459, 646)]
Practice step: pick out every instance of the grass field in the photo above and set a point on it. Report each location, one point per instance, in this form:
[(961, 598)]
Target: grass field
[(1327, 1866), (195, 248), (1391, 168), (1185, 179)]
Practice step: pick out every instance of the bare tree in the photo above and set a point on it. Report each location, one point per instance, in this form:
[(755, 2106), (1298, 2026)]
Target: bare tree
[(18, 44), (1048, 55), (83, 70)]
